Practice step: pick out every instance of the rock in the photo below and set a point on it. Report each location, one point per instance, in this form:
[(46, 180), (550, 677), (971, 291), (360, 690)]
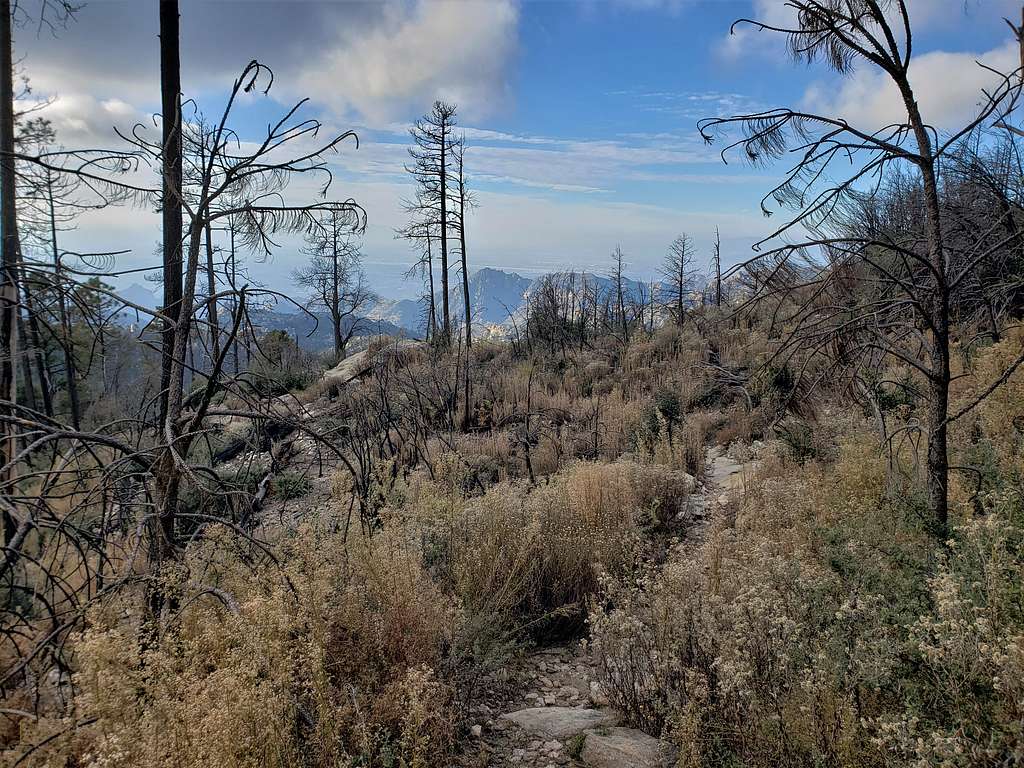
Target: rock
[(597, 694), (625, 748), (553, 746), (477, 731), (559, 722), (518, 755)]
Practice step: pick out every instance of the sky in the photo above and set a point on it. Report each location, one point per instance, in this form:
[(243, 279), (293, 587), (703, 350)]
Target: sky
[(580, 116)]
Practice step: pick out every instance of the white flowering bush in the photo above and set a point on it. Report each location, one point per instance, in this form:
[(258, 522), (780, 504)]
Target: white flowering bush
[(966, 705), (826, 628)]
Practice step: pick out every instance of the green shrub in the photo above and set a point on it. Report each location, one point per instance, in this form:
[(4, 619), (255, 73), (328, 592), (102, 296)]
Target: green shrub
[(291, 485)]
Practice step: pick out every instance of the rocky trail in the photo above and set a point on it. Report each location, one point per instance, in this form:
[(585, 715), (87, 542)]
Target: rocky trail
[(545, 709), (550, 711)]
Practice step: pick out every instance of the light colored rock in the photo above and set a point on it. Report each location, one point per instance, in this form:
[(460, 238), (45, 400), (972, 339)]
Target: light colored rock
[(355, 365), (559, 722), (625, 748), (477, 731)]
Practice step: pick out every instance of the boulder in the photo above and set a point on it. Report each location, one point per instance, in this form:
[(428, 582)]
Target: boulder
[(625, 748), (559, 722)]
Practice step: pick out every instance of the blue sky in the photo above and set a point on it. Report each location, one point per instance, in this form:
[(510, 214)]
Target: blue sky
[(581, 115)]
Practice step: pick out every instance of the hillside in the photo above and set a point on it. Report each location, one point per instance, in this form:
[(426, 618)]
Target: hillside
[(315, 487)]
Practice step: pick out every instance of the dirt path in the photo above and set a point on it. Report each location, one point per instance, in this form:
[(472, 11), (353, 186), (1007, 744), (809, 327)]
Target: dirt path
[(726, 473), (548, 710), (535, 708)]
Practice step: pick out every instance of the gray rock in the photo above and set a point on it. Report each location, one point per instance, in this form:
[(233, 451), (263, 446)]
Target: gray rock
[(559, 722), (625, 748)]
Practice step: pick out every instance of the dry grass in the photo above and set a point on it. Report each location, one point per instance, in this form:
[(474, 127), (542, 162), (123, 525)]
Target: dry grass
[(336, 657)]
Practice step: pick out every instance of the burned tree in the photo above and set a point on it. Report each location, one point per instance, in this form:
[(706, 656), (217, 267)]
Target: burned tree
[(171, 189), (618, 278), (112, 502), (432, 155), (9, 245), (853, 297), (420, 232), (677, 276), (464, 202), (244, 184), (334, 277), (716, 266)]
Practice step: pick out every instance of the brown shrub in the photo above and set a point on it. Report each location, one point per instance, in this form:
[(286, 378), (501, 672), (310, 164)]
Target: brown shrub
[(337, 661)]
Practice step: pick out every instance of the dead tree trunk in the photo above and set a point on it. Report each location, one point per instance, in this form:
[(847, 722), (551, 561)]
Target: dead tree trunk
[(170, 100), (718, 268), (174, 339), (339, 344), (70, 374), (8, 256), (212, 317)]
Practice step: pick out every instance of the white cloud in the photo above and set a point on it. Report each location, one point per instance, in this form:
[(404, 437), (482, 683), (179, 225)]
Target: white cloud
[(948, 87), (451, 49), (689, 105), (515, 230), (748, 40), (552, 185), (485, 134), (745, 40), (85, 121), (544, 162)]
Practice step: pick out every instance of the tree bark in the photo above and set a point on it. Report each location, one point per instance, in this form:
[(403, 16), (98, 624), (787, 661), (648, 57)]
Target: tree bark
[(462, 246), (339, 344), (28, 385), (170, 100), (36, 338), (432, 320), (718, 269), (234, 296), (937, 463), (9, 248), (212, 316), (446, 326), (70, 373), (174, 339)]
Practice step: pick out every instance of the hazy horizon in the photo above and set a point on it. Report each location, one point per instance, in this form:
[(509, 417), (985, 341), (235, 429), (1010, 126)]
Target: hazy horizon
[(581, 117)]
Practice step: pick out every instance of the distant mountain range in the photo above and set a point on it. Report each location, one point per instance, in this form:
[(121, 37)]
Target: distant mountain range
[(313, 331), (498, 297), (494, 295)]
